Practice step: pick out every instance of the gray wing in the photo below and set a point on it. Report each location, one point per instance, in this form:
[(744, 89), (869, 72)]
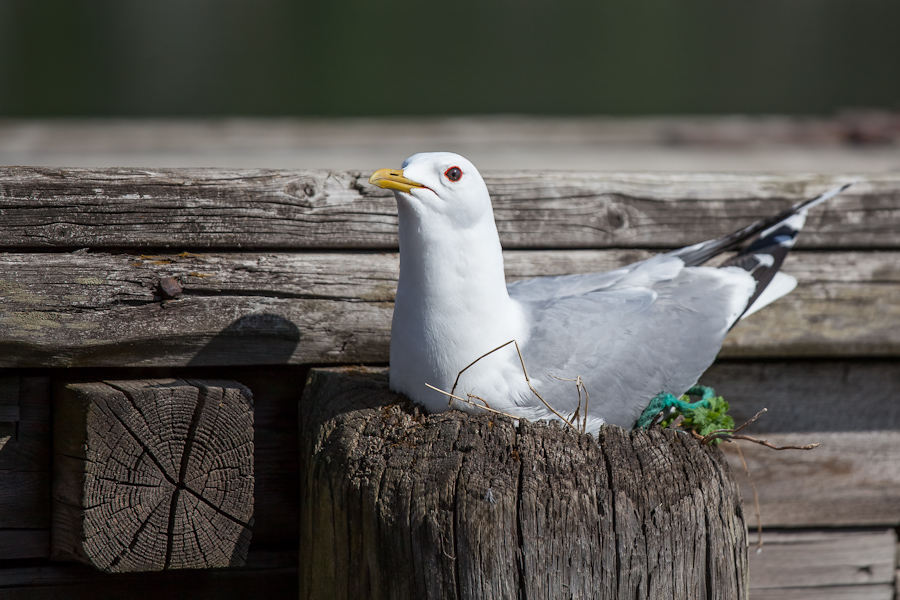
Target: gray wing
[(636, 274), (540, 288), (654, 326), (655, 329)]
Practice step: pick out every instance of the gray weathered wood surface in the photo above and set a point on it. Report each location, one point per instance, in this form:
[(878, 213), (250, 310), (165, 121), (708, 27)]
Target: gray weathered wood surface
[(227, 208), (851, 408), (25, 477), (153, 475), (838, 592), (99, 309), (397, 504), (823, 558), (849, 142), (824, 564), (851, 479), (803, 396)]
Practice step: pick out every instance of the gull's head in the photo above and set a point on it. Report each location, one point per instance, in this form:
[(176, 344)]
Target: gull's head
[(438, 183)]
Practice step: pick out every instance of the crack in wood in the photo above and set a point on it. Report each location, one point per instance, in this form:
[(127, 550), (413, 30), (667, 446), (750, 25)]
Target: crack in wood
[(143, 446), (146, 524)]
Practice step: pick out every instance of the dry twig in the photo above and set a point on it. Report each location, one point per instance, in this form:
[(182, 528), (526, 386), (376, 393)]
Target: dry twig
[(730, 435), (452, 397), (579, 387), (527, 380)]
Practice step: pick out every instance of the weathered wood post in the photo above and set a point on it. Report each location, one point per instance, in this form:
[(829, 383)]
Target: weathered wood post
[(152, 475), (401, 505)]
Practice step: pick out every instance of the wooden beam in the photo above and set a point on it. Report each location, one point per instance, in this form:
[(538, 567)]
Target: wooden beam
[(852, 479), (838, 592), (153, 475), (269, 574), (28, 446), (189, 209), (803, 397), (823, 559), (24, 543), (88, 309), (757, 144), (24, 499), (811, 396), (25, 468)]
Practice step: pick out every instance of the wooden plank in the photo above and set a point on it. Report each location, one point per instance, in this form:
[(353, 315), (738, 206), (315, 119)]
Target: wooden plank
[(698, 143), (850, 407), (276, 393), (9, 400), (24, 500), (852, 479), (28, 447), (153, 475), (87, 309), (268, 575), (841, 592), (242, 208), (24, 543), (811, 396), (824, 558), (25, 467)]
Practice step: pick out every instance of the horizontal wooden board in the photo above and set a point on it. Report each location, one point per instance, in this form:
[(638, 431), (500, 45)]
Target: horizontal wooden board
[(24, 499), (24, 543), (243, 208), (839, 592), (697, 143), (268, 575), (823, 558), (810, 396), (95, 309), (852, 479)]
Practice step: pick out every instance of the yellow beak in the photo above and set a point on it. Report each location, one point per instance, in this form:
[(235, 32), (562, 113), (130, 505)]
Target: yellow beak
[(393, 179)]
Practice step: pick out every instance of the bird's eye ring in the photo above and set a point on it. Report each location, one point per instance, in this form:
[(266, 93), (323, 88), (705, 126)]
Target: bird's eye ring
[(454, 174)]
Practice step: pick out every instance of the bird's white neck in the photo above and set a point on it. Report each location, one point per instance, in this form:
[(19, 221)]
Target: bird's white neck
[(452, 301), (459, 268)]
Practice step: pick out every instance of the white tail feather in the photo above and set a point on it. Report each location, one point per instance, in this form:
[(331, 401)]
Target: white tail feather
[(781, 285)]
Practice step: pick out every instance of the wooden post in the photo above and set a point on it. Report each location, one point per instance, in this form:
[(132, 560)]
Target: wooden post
[(152, 475), (397, 504), (24, 467)]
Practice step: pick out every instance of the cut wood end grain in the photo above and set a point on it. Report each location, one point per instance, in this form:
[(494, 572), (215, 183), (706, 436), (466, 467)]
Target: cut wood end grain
[(153, 475)]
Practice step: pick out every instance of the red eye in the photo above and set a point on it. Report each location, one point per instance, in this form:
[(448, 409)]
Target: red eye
[(454, 174)]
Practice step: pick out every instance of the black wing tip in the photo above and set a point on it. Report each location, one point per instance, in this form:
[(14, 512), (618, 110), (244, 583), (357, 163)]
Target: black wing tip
[(749, 235)]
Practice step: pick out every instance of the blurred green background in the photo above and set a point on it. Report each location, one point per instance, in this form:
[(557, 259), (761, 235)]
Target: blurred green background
[(354, 58)]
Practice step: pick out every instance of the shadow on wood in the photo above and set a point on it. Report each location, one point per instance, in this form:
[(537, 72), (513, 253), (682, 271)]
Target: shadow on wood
[(152, 475), (397, 504)]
